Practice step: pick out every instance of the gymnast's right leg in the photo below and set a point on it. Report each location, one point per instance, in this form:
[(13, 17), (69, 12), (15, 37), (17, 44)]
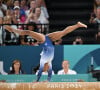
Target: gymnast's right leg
[(40, 71), (38, 36), (49, 72)]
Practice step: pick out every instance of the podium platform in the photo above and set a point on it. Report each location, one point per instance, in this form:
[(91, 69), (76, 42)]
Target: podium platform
[(51, 86)]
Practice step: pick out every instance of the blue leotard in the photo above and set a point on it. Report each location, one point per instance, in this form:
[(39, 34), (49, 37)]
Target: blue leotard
[(47, 55)]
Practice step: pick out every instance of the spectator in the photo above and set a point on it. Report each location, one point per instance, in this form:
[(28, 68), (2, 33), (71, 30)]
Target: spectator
[(96, 3), (1, 69), (1, 31), (10, 38), (35, 69), (41, 3), (30, 18), (36, 43), (37, 15), (58, 42), (23, 5), (16, 68), (41, 19), (28, 40), (9, 13), (97, 19), (19, 16), (16, 15), (66, 70), (93, 14), (78, 40), (32, 7), (9, 4), (98, 38), (3, 9), (16, 3), (34, 18), (40, 16), (45, 70), (32, 26)]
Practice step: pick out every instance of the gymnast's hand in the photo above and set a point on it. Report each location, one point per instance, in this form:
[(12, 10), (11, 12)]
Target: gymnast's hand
[(8, 28)]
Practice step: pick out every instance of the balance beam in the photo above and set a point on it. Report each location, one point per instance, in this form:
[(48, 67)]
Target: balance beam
[(51, 86)]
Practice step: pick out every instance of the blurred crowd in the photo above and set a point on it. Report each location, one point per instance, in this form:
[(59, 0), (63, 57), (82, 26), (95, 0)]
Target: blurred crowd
[(22, 14), (33, 15), (95, 19)]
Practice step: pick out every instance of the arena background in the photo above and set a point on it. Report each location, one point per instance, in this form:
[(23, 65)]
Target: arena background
[(30, 57), (80, 57)]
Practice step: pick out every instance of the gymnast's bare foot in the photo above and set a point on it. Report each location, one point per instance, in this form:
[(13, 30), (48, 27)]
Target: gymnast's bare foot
[(80, 24)]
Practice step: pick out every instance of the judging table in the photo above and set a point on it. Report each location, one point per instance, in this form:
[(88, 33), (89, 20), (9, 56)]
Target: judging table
[(55, 78), (58, 82)]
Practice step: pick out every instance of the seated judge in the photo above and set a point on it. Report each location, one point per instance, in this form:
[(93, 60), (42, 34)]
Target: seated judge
[(66, 69), (16, 68)]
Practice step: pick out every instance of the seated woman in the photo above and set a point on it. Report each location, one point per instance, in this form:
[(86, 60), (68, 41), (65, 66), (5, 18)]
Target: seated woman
[(16, 68)]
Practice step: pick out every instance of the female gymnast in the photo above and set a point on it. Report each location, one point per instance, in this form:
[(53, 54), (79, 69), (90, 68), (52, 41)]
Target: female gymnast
[(47, 53)]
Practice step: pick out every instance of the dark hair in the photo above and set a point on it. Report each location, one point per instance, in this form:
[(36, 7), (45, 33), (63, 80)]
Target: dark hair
[(78, 43), (34, 25), (36, 68), (78, 37), (20, 68)]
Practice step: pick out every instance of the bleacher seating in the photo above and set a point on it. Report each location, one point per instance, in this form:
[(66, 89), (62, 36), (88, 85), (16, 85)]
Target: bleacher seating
[(68, 12)]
